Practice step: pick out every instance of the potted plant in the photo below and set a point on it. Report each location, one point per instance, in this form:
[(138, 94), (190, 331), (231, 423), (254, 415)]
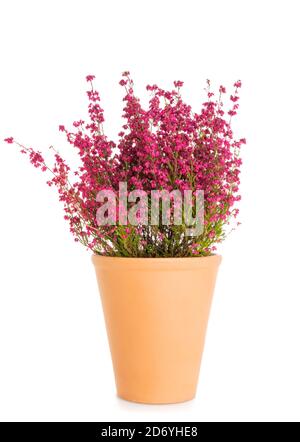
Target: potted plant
[(152, 208)]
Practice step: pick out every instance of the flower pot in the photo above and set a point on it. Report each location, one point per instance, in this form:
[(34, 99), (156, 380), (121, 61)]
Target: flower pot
[(156, 312)]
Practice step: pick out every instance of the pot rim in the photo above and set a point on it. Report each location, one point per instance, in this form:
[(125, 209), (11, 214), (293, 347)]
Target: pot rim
[(188, 262)]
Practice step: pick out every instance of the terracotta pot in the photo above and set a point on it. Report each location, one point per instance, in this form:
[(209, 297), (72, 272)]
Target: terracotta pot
[(156, 312)]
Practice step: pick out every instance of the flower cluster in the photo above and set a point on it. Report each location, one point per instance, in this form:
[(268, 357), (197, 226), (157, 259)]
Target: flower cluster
[(166, 146)]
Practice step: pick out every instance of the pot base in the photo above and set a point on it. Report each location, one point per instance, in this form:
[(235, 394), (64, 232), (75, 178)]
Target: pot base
[(153, 402)]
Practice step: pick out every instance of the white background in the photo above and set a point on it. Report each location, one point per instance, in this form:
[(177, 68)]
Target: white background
[(55, 362)]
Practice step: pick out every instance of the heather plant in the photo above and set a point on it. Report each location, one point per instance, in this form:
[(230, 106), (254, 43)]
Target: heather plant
[(165, 147)]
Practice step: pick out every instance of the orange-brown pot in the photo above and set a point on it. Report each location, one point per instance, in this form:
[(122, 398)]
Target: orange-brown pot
[(156, 312)]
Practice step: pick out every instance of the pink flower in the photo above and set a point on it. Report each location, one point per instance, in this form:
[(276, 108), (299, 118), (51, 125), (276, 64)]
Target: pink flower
[(90, 77), (154, 87), (238, 84), (78, 123), (9, 140), (178, 83)]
